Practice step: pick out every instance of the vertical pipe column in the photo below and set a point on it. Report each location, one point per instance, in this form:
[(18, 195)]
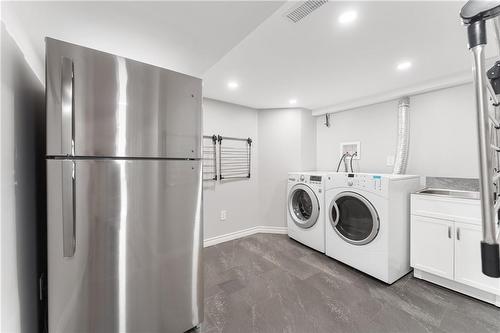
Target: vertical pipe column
[(490, 257), (477, 41)]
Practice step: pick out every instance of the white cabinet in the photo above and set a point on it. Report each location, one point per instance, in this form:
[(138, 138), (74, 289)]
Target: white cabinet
[(445, 245), (468, 259), (432, 245)]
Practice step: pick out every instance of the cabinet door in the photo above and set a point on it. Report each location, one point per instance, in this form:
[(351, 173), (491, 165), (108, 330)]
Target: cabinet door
[(432, 245), (468, 259)]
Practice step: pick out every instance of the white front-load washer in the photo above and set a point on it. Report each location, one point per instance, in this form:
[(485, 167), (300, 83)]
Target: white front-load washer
[(368, 222), (305, 208)]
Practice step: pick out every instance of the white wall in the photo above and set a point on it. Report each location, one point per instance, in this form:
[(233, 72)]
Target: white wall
[(442, 135), (283, 141), (287, 143), (238, 197), (16, 29), (23, 191)]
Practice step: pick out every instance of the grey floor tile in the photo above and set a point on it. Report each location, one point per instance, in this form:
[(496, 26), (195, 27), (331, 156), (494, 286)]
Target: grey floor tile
[(393, 319), (207, 326), (470, 314), (257, 290), (285, 245), (232, 286), (270, 283), (240, 256), (275, 314), (228, 314), (355, 302), (457, 322), (279, 258), (413, 306)]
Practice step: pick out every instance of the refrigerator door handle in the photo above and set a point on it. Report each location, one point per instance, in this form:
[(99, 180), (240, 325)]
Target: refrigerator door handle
[(67, 110), (68, 208)]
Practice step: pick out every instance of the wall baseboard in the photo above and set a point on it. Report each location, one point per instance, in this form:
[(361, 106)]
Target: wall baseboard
[(242, 233)]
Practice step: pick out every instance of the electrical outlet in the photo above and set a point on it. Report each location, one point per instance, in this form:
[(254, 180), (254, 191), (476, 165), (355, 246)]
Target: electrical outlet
[(223, 215), (390, 160)]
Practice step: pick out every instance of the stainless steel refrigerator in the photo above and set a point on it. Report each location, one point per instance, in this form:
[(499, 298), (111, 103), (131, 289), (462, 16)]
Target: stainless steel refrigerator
[(124, 227)]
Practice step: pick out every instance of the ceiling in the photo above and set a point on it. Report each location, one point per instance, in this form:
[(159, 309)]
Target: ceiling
[(317, 61), (187, 36), (320, 62)]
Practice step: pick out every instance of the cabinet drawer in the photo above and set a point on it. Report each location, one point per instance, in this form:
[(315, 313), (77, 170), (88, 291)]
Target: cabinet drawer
[(463, 210)]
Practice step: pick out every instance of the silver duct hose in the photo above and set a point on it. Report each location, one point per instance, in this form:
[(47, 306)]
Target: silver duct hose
[(346, 166), (403, 147)]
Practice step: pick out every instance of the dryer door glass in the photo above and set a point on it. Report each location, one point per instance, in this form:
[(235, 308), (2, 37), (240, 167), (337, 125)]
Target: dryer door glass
[(357, 221), (303, 206)]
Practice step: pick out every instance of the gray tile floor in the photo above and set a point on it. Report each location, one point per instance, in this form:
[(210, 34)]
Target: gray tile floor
[(270, 283)]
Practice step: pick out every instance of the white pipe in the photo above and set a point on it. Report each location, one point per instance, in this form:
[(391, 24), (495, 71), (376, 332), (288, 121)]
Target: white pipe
[(403, 136)]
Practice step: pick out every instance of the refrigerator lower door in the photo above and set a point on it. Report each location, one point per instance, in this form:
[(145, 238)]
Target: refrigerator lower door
[(136, 230)]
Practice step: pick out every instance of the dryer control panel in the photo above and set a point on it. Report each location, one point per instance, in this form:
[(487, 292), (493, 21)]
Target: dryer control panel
[(372, 183)]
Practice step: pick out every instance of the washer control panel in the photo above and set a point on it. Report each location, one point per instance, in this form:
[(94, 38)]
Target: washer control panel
[(307, 179), (316, 180)]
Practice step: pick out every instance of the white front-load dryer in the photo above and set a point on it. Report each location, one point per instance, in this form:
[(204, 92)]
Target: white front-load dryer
[(368, 222), (305, 209)]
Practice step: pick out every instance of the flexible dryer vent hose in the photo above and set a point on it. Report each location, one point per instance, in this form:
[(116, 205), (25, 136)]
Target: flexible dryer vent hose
[(403, 147)]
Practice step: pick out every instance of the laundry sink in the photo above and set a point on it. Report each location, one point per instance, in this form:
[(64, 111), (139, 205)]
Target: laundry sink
[(451, 193)]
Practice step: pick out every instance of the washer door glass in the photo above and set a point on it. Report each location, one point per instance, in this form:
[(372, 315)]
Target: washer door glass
[(303, 206), (354, 218)]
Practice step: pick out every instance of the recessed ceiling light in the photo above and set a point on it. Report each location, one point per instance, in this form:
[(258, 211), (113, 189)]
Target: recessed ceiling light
[(233, 85), (404, 65), (293, 101), (348, 17)]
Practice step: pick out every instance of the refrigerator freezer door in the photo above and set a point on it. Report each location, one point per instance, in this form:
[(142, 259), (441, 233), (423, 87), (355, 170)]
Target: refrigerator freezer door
[(137, 263), (118, 107)]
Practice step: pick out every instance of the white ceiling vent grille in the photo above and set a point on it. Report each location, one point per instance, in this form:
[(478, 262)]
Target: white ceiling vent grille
[(307, 7)]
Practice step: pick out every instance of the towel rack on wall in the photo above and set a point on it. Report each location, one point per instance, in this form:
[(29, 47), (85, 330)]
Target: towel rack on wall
[(235, 157), (474, 15), (209, 157)]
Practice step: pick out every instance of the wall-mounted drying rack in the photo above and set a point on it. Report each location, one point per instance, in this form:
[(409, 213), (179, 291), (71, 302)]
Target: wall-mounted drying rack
[(474, 15), (232, 159), (235, 157), (210, 157)]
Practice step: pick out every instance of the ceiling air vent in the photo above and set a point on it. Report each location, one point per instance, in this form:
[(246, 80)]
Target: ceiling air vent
[(307, 7)]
